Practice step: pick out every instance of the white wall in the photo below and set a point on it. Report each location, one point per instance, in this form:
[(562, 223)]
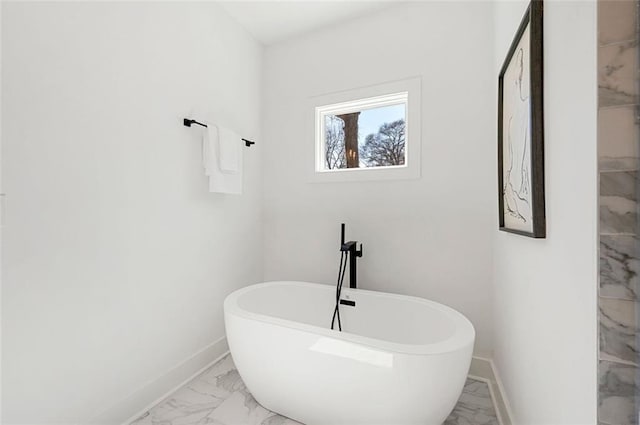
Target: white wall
[(545, 290), (116, 258), (429, 237)]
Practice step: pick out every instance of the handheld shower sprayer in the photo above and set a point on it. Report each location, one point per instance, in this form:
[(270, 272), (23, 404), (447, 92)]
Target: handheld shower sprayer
[(348, 251)]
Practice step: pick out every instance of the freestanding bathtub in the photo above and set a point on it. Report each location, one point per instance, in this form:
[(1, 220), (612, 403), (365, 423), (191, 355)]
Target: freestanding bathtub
[(400, 360)]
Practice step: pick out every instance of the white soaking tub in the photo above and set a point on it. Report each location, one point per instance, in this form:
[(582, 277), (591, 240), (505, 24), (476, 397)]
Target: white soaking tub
[(400, 360)]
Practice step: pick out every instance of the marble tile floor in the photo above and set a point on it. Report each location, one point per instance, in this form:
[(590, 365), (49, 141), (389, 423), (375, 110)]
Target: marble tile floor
[(218, 396)]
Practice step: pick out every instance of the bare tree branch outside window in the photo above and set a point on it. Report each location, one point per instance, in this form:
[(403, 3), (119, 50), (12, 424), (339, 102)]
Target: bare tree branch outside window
[(386, 147), (334, 143)]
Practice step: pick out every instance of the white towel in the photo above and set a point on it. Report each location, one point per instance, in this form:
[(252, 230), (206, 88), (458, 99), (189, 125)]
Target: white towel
[(209, 142), (229, 144), (221, 161)]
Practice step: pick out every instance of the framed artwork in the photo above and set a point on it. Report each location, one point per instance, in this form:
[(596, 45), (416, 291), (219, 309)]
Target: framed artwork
[(521, 130)]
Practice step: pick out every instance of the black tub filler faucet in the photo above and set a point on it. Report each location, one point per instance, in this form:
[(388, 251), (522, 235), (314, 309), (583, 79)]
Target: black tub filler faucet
[(351, 248)]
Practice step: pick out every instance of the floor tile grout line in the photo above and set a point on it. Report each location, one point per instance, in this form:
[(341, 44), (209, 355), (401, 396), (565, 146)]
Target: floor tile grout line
[(621, 170), (617, 42), (617, 105)]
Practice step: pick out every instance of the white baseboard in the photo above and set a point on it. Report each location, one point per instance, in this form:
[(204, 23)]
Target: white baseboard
[(504, 401), (154, 391), (481, 368), (485, 370)]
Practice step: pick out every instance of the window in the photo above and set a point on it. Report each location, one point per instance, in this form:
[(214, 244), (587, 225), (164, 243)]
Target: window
[(365, 133), (368, 134)]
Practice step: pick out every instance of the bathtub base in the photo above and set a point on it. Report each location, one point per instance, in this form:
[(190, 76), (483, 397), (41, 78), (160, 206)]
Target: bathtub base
[(319, 382)]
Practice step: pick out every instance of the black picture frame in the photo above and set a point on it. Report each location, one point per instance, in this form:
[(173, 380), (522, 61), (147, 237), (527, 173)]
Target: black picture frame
[(535, 198)]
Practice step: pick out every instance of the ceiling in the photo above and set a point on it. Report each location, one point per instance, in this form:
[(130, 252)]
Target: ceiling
[(273, 21)]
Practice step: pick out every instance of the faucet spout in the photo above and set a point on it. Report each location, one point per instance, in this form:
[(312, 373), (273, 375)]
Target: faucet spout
[(348, 246)]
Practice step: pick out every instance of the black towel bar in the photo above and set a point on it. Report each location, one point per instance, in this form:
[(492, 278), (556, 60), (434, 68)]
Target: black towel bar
[(187, 123)]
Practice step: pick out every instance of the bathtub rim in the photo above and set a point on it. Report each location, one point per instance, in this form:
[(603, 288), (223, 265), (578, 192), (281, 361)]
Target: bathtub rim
[(463, 337)]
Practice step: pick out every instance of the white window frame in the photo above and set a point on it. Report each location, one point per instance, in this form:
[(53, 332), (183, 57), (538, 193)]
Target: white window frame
[(405, 92)]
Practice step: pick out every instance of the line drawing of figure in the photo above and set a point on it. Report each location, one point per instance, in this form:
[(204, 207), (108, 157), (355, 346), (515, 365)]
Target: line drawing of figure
[(516, 184)]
